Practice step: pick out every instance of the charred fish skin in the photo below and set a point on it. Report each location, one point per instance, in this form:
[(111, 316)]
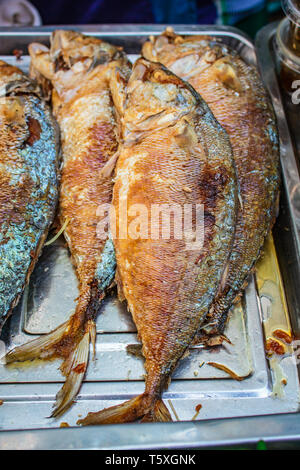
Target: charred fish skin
[(174, 152), (236, 96), (79, 69), (29, 180)]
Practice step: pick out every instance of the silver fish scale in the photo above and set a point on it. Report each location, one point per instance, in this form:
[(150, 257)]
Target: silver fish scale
[(19, 241)]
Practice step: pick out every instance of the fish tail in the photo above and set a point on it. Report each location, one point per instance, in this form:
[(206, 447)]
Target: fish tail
[(57, 344), (74, 368), (137, 408), (43, 347)]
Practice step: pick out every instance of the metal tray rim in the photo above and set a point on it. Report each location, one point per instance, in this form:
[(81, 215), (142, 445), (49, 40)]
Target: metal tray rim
[(184, 434)]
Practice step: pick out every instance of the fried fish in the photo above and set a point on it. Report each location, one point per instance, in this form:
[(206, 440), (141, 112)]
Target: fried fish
[(29, 154), (174, 154), (238, 100)]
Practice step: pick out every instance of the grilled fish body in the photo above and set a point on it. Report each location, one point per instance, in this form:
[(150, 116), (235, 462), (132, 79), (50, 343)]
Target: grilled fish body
[(79, 69), (174, 153), (234, 93), (28, 181)]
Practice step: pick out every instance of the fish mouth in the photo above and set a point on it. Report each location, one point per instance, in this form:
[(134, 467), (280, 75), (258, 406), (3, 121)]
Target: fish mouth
[(154, 72)]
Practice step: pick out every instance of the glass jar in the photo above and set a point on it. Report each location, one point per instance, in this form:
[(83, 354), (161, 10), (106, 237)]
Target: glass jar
[(288, 46)]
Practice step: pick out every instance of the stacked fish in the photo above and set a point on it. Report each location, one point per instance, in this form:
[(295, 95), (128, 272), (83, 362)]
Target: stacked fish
[(189, 125)]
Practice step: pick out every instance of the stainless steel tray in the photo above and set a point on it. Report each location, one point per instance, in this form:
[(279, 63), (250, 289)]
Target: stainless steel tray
[(28, 390)]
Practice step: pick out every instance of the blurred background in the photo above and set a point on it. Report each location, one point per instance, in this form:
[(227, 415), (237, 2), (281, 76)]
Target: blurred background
[(248, 15)]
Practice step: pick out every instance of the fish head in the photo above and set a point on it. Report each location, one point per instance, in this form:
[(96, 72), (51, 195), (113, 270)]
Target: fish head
[(71, 49), (155, 99), (161, 46), (74, 61), (185, 56)]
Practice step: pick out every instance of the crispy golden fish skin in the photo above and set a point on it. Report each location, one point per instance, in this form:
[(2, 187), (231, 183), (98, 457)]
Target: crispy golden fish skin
[(79, 70), (174, 152), (238, 100), (29, 180)]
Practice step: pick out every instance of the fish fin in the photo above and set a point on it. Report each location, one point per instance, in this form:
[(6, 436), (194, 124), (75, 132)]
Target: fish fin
[(159, 413), (108, 169), (40, 348), (135, 350), (129, 411), (93, 336), (126, 412), (74, 368)]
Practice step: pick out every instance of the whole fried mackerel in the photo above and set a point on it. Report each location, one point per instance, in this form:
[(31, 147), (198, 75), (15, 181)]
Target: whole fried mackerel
[(79, 69), (29, 150), (174, 153), (238, 100)]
